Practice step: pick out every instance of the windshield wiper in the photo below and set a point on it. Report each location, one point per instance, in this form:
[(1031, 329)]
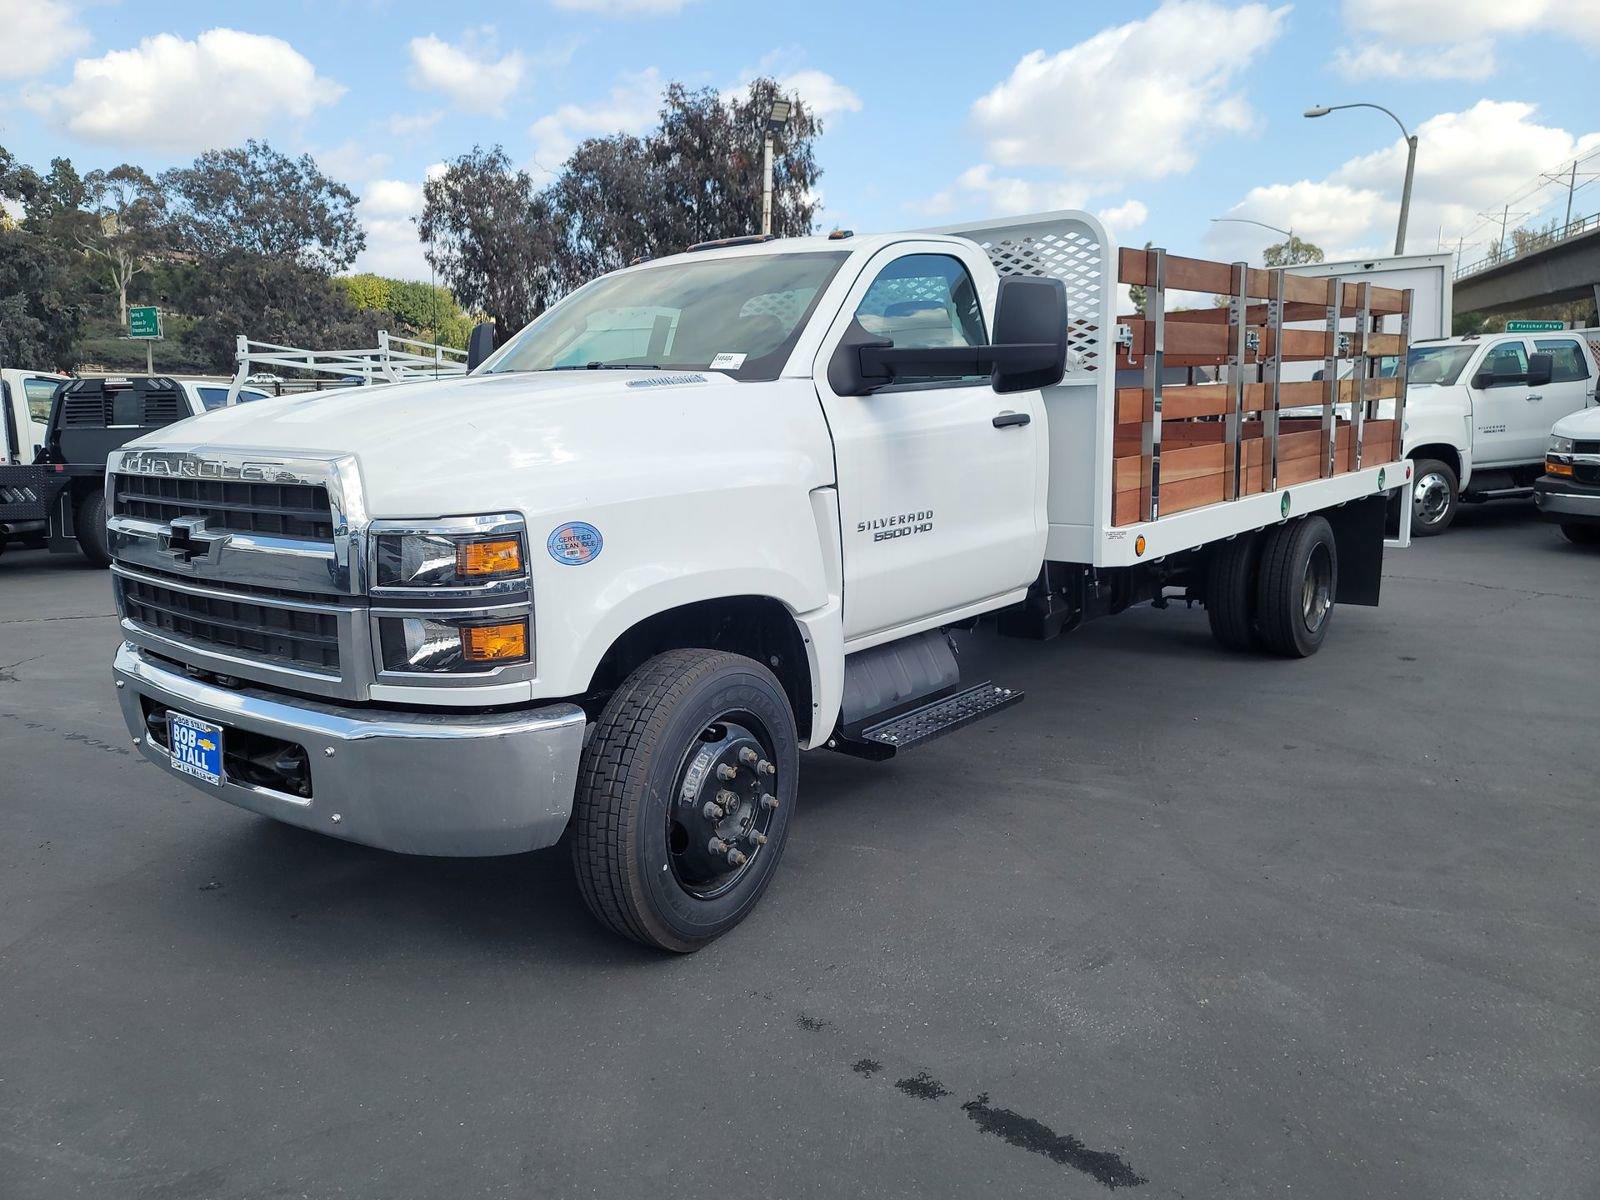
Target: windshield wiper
[(605, 366)]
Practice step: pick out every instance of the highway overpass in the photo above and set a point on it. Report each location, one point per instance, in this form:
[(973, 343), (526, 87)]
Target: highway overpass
[(1562, 271)]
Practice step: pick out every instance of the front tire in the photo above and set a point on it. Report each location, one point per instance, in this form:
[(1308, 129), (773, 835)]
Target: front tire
[(1298, 580), (1581, 535), (685, 793), (91, 529), (1435, 497)]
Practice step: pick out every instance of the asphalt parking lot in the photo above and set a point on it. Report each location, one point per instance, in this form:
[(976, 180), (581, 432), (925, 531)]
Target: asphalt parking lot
[(1184, 923)]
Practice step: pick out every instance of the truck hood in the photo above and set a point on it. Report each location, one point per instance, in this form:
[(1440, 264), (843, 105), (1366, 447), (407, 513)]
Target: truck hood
[(1580, 426), (536, 440)]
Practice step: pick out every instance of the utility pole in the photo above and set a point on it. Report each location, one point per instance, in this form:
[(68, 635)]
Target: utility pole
[(1504, 214), (1572, 186)]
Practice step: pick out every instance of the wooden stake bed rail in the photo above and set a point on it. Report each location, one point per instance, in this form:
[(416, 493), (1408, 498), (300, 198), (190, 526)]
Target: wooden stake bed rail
[(1183, 446)]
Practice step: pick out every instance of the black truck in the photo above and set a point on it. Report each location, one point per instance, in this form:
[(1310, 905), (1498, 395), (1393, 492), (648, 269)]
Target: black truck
[(60, 497)]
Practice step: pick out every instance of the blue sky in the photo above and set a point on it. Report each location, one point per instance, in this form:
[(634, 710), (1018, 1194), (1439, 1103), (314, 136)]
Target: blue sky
[(1158, 116)]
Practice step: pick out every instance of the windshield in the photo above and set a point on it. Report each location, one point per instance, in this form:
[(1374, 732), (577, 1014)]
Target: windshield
[(740, 315), (1436, 364)]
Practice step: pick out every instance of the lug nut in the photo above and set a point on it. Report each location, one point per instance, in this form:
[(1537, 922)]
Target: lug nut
[(736, 858), (713, 811), (766, 768), (717, 846), (759, 839), (769, 801), (747, 756), (725, 771)]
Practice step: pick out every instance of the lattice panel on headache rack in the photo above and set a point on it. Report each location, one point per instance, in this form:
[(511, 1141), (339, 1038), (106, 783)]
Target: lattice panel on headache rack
[(1074, 257), (788, 307)]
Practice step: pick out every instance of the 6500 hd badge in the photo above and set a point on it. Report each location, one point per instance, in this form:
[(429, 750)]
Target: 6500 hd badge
[(900, 525)]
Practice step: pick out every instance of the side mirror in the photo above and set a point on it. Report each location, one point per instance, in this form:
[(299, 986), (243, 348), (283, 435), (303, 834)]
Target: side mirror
[(1541, 369), (1029, 349), (1030, 311), (480, 345)]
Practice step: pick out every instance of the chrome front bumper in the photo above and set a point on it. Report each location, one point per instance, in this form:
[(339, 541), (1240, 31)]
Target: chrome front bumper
[(1562, 500), (418, 783)]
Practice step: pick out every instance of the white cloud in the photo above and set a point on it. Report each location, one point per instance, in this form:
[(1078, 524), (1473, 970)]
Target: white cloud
[(1130, 214), (1452, 39), (1136, 100), (186, 95), (409, 125), (474, 81), (623, 8), (1433, 22), (979, 190), (389, 209), (41, 34), (1469, 60), (632, 107), (1468, 163), (351, 160), (824, 96)]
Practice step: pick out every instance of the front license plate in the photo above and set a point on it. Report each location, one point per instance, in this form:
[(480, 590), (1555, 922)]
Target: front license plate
[(195, 746)]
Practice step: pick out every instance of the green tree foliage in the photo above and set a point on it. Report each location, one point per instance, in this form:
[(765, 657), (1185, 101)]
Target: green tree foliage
[(127, 226), (1290, 252), (493, 237), (255, 200), (270, 299), (39, 316), (417, 310), (509, 249)]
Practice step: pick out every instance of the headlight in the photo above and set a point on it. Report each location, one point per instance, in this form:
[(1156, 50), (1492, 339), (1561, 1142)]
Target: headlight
[(448, 560), (1560, 445), (437, 643)]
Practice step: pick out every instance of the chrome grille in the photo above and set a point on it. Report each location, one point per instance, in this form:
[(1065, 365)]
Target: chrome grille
[(299, 637), (297, 510)]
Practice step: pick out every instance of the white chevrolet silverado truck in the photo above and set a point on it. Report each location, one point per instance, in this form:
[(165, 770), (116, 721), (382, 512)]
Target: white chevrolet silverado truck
[(1479, 411), (711, 511)]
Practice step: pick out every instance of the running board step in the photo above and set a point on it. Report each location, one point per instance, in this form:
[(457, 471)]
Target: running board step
[(939, 717)]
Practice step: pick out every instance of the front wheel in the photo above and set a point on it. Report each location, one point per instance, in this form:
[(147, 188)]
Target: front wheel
[(1297, 581), (685, 794), (1435, 496)]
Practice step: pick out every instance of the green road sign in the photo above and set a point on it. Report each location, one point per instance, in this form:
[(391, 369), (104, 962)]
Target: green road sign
[(144, 321), (1534, 326)]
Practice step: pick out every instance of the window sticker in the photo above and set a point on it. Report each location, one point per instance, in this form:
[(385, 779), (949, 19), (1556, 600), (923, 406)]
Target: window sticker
[(727, 362)]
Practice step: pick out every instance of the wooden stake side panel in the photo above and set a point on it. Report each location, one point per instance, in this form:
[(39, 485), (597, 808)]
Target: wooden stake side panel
[(1194, 475), (1203, 426)]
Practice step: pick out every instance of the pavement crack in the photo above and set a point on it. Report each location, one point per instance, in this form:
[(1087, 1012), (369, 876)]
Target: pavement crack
[(1494, 587), (77, 617)]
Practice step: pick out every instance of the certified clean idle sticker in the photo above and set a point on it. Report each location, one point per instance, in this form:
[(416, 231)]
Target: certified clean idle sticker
[(574, 544), (727, 362)]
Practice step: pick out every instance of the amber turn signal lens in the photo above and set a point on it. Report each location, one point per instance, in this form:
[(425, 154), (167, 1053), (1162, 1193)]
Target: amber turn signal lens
[(1551, 467), (494, 556), (495, 643)]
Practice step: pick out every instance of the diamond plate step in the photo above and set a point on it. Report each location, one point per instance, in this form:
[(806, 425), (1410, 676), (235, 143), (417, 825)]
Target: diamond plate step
[(941, 716)]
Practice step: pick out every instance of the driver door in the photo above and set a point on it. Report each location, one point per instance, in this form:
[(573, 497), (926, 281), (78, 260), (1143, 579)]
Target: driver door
[(941, 482), (1500, 410)]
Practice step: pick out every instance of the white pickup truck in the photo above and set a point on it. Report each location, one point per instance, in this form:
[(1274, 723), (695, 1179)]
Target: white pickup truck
[(1479, 410), (706, 513)]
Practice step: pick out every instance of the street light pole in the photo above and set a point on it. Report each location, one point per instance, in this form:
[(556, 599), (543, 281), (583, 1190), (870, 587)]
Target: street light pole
[(1322, 110), (1288, 233), (777, 122)]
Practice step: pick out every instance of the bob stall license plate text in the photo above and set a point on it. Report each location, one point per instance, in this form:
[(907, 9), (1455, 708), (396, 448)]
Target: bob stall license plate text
[(195, 746)]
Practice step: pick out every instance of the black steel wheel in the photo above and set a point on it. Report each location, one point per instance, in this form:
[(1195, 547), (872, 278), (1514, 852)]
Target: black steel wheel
[(1297, 586), (684, 798)]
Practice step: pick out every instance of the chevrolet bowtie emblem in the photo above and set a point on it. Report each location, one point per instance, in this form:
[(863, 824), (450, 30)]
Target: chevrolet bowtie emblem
[(187, 541)]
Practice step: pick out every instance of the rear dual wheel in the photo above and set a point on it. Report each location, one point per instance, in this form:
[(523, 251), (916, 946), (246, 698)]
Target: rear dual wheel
[(685, 793), (1276, 590)]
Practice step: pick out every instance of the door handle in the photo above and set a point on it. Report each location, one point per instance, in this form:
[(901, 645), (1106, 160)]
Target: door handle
[(1006, 419), (1532, 396)]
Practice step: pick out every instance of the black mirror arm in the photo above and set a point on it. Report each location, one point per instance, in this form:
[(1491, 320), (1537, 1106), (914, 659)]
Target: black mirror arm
[(883, 363)]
